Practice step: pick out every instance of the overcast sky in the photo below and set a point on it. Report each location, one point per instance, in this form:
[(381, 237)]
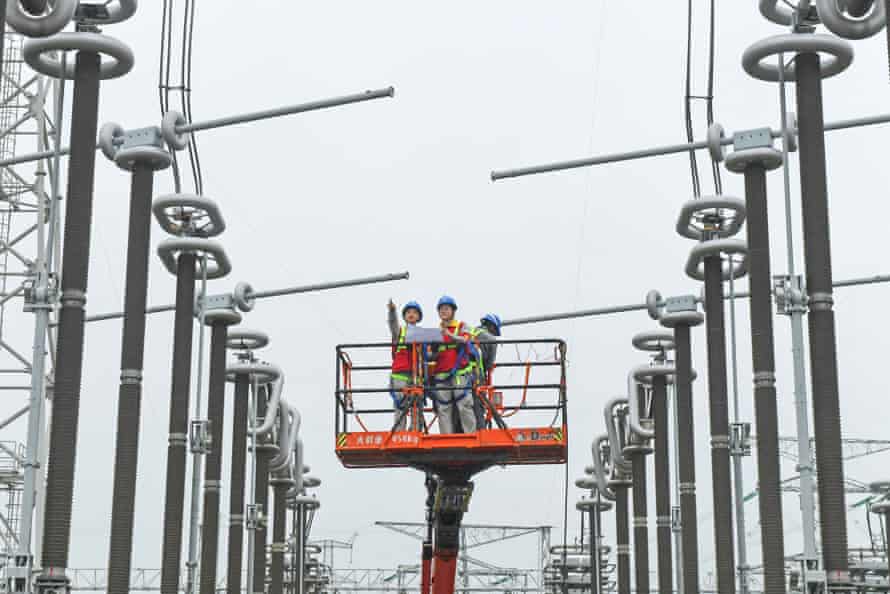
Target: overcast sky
[(403, 184)]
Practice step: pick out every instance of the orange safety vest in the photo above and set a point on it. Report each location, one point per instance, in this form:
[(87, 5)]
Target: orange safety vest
[(447, 354)]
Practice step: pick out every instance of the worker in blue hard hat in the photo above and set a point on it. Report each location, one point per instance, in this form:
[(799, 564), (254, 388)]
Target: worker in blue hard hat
[(403, 357), (452, 371), (484, 336)]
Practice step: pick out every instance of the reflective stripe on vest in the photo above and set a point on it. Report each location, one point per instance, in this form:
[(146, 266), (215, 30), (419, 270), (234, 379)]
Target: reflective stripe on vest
[(401, 354)]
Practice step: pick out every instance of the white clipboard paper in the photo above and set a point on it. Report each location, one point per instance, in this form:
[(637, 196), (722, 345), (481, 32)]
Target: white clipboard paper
[(419, 334)]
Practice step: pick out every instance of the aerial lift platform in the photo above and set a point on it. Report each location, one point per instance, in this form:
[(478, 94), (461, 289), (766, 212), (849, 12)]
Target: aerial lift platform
[(524, 423)]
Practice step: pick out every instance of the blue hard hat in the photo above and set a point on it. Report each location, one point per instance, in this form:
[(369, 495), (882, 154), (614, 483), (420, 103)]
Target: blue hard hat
[(446, 300), (494, 320), (412, 305)]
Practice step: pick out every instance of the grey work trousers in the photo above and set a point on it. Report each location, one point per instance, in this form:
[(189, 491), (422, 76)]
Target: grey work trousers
[(461, 399)]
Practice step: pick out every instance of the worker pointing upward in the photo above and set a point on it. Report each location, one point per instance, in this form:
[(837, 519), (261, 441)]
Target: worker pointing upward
[(453, 370), (402, 364)]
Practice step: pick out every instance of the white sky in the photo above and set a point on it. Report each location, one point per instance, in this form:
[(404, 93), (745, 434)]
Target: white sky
[(403, 184)]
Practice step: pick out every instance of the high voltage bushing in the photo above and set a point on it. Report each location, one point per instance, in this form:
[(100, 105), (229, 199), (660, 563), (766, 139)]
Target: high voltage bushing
[(882, 508), (246, 372), (593, 506), (658, 375), (219, 319), (615, 415), (264, 449), (142, 157), (681, 314), (600, 453), (807, 70), (712, 222), (754, 158), (184, 256), (301, 503), (637, 449), (48, 56)]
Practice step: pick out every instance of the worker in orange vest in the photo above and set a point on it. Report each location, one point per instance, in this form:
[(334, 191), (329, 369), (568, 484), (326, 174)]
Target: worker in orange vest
[(453, 371), (402, 357)]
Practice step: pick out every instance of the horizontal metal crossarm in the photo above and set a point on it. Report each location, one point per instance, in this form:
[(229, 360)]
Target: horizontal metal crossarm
[(584, 313), (369, 280), (669, 149), (233, 120)]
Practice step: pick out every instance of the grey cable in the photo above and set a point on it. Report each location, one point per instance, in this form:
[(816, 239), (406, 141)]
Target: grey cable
[(719, 423), (823, 344), (763, 359), (662, 484), (236, 497), (213, 470), (686, 458), (179, 404), (75, 268), (126, 450)]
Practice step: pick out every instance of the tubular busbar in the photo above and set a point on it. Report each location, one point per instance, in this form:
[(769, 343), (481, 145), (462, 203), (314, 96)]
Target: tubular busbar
[(213, 471), (719, 420), (261, 497), (179, 405), (686, 453), (126, 451), (770, 502), (662, 484), (75, 267), (236, 498), (823, 355)]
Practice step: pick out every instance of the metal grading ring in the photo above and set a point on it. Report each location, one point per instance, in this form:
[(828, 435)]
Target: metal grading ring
[(777, 12), (246, 340), (175, 140), (840, 55), (879, 487), (585, 483), (730, 222), (263, 373), (645, 373), (36, 54), (682, 318), (197, 216), (619, 481), (653, 340), (155, 158), (714, 247), (303, 500), (654, 304), (218, 264), (226, 316), (636, 449), (118, 12), (242, 296), (311, 482), (585, 505), (716, 135), (846, 25), (767, 157), (109, 133), (880, 507), (54, 20)]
